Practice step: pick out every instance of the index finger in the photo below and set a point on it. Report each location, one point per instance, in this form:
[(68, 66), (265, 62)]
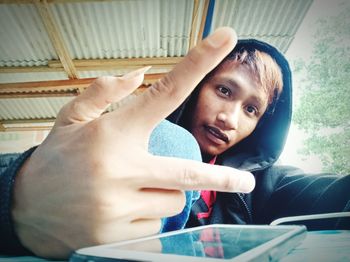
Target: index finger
[(183, 174), (164, 96)]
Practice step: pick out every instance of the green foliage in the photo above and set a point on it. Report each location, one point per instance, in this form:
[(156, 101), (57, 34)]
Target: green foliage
[(323, 110)]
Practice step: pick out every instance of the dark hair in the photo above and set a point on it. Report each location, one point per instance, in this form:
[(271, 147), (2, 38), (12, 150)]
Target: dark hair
[(261, 64)]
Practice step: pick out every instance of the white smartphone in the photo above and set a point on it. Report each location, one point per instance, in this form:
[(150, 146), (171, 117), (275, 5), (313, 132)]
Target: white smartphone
[(205, 243)]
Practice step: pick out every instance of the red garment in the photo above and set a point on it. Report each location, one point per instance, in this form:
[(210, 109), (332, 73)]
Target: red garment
[(211, 237), (212, 243), (208, 197)]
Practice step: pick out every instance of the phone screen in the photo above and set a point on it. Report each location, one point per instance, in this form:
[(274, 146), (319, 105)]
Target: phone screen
[(213, 242)]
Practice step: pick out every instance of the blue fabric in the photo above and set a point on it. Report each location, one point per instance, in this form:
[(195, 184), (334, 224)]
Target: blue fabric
[(168, 139)]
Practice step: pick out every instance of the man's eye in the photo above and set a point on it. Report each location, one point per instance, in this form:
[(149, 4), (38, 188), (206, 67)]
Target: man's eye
[(224, 90), (252, 110)]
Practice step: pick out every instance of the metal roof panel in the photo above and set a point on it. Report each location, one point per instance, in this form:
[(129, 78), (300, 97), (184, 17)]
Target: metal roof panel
[(273, 21)]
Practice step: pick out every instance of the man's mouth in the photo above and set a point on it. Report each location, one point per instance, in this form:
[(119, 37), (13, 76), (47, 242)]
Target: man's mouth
[(217, 133)]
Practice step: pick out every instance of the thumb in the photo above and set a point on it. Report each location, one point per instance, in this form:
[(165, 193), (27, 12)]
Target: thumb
[(98, 96)]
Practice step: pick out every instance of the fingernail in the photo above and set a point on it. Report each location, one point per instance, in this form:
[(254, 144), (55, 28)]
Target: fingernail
[(136, 72), (221, 36), (246, 183)]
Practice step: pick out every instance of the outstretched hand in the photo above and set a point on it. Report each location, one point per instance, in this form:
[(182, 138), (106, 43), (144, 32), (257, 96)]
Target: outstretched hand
[(92, 181)]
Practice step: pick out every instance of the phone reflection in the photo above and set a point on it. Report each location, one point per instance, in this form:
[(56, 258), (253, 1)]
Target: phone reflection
[(224, 243)]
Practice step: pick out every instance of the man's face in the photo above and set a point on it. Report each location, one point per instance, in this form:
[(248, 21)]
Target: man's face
[(228, 108)]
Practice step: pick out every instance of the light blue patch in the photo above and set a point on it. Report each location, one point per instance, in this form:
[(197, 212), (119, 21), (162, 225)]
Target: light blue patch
[(168, 139)]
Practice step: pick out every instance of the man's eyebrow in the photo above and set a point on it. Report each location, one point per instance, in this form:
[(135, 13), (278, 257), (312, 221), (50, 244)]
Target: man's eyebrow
[(229, 81), (260, 102), (232, 82)]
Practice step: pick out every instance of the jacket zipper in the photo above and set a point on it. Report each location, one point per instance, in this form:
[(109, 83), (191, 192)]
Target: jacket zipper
[(248, 213)]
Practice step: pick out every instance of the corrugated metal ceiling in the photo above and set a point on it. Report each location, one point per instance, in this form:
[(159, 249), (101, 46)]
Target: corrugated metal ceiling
[(31, 108), (273, 21), (124, 29), (96, 30), (24, 41)]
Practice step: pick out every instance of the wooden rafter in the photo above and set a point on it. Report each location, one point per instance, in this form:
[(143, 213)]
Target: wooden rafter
[(25, 128), (165, 63), (45, 86), (194, 24), (14, 125), (66, 93), (56, 38), (204, 18), (119, 63), (193, 37), (2, 127), (60, 87), (28, 121)]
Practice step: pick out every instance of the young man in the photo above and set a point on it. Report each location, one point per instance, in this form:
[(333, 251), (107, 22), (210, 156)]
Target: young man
[(92, 181), (47, 203), (240, 114)]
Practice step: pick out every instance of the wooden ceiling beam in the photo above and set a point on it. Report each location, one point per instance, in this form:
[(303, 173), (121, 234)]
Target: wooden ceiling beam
[(166, 63), (194, 39), (15, 125), (45, 86), (60, 85), (25, 128), (67, 93), (194, 24), (121, 62), (204, 18), (2, 127), (28, 121), (56, 38)]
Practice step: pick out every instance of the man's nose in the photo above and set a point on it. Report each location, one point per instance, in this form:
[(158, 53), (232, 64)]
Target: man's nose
[(230, 116)]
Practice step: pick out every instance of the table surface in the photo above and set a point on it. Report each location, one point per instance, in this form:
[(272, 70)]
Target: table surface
[(328, 245)]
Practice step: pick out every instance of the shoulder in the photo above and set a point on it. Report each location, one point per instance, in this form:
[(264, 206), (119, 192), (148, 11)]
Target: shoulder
[(277, 177)]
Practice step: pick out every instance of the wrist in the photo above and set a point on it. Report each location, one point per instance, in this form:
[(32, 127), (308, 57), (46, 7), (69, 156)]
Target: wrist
[(9, 241)]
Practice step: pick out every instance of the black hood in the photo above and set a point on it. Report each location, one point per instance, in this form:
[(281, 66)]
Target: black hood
[(263, 147)]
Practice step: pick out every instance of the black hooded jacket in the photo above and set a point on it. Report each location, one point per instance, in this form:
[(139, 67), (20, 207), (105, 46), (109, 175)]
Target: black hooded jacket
[(280, 190)]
